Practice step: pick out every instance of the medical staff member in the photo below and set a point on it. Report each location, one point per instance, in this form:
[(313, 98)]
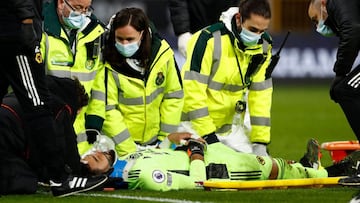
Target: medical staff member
[(71, 47), (226, 61), (143, 89)]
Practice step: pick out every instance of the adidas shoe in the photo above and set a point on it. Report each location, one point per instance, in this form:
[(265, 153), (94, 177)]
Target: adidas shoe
[(76, 184), (349, 166), (312, 155), (352, 169), (350, 181), (352, 163)]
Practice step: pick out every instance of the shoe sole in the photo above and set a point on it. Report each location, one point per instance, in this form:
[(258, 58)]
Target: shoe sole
[(349, 184), (313, 149), (84, 190)]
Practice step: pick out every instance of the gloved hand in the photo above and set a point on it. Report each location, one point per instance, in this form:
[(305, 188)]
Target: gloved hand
[(91, 135), (28, 37), (334, 83), (182, 42), (259, 149), (196, 147)]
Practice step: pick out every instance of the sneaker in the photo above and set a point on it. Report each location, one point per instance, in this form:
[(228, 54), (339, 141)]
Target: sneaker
[(351, 163), (76, 184), (350, 181), (349, 166), (312, 155)]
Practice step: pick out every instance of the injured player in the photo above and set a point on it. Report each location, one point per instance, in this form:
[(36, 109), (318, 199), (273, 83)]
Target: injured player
[(196, 161)]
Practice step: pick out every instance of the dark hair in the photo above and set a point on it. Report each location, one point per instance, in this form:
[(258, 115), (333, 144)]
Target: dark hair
[(137, 19), (258, 7), (67, 91), (82, 96)]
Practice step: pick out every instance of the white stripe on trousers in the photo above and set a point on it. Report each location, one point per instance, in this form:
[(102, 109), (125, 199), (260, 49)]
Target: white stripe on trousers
[(354, 82), (28, 80)]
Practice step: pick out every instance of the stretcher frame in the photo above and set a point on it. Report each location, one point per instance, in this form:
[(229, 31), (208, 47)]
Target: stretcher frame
[(271, 184)]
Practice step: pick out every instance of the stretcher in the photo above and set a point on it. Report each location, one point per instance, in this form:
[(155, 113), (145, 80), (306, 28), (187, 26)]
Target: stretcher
[(271, 184), (340, 149)]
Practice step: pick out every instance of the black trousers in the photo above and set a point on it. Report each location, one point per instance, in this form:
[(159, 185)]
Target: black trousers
[(24, 71), (347, 94)]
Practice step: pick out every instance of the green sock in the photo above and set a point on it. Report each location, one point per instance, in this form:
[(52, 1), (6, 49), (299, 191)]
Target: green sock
[(197, 170)]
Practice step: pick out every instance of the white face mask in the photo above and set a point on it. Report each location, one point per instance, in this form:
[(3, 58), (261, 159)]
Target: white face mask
[(127, 50), (322, 28), (249, 38), (75, 20)]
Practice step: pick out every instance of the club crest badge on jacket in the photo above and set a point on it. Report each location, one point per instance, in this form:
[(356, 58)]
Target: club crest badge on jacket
[(160, 78)]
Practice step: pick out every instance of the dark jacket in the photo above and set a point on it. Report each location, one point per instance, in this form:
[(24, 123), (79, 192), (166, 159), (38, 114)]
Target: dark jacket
[(14, 142), (12, 12), (344, 19), (192, 15)]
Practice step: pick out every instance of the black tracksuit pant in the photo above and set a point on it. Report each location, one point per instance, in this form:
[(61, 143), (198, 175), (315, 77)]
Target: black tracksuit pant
[(25, 73), (347, 94)]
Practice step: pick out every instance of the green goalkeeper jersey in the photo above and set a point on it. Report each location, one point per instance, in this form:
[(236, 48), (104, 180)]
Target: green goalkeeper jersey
[(165, 169)]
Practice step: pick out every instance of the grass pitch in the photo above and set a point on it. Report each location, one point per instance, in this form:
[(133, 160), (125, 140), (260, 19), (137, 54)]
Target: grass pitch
[(301, 110)]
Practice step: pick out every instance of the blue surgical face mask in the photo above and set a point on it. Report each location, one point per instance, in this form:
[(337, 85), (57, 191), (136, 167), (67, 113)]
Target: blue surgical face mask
[(127, 50), (323, 29), (75, 20), (249, 38)]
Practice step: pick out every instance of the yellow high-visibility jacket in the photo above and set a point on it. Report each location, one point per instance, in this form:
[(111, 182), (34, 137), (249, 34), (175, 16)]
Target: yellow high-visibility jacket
[(138, 111), (218, 71), (80, 60)]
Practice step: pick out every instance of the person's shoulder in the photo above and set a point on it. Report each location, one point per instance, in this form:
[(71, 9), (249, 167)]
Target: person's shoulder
[(214, 27), (94, 25)]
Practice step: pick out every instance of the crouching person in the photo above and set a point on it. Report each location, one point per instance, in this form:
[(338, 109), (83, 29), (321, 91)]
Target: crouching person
[(20, 168)]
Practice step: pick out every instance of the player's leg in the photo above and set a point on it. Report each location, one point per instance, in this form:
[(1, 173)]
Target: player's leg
[(296, 170)]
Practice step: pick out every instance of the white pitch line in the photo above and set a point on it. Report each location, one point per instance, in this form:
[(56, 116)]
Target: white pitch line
[(151, 199)]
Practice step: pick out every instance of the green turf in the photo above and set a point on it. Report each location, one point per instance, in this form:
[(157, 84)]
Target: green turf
[(299, 112), (303, 111)]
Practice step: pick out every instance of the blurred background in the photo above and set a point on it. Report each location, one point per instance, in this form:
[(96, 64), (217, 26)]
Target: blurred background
[(306, 53)]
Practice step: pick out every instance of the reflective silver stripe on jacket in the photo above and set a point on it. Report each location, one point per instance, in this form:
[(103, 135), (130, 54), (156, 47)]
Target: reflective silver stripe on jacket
[(110, 107), (168, 128), (199, 113), (174, 95), (216, 55), (223, 129), (125, 134), (193, 75), (139, 100), (258, 86), (263, 121), (83, 77), (97, 95), (81, 137)]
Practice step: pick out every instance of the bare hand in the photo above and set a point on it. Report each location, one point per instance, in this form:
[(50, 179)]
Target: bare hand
[(180, 137)]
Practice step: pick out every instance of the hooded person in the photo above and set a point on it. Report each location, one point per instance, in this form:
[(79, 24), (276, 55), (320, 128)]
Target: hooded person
[(19, 165)]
